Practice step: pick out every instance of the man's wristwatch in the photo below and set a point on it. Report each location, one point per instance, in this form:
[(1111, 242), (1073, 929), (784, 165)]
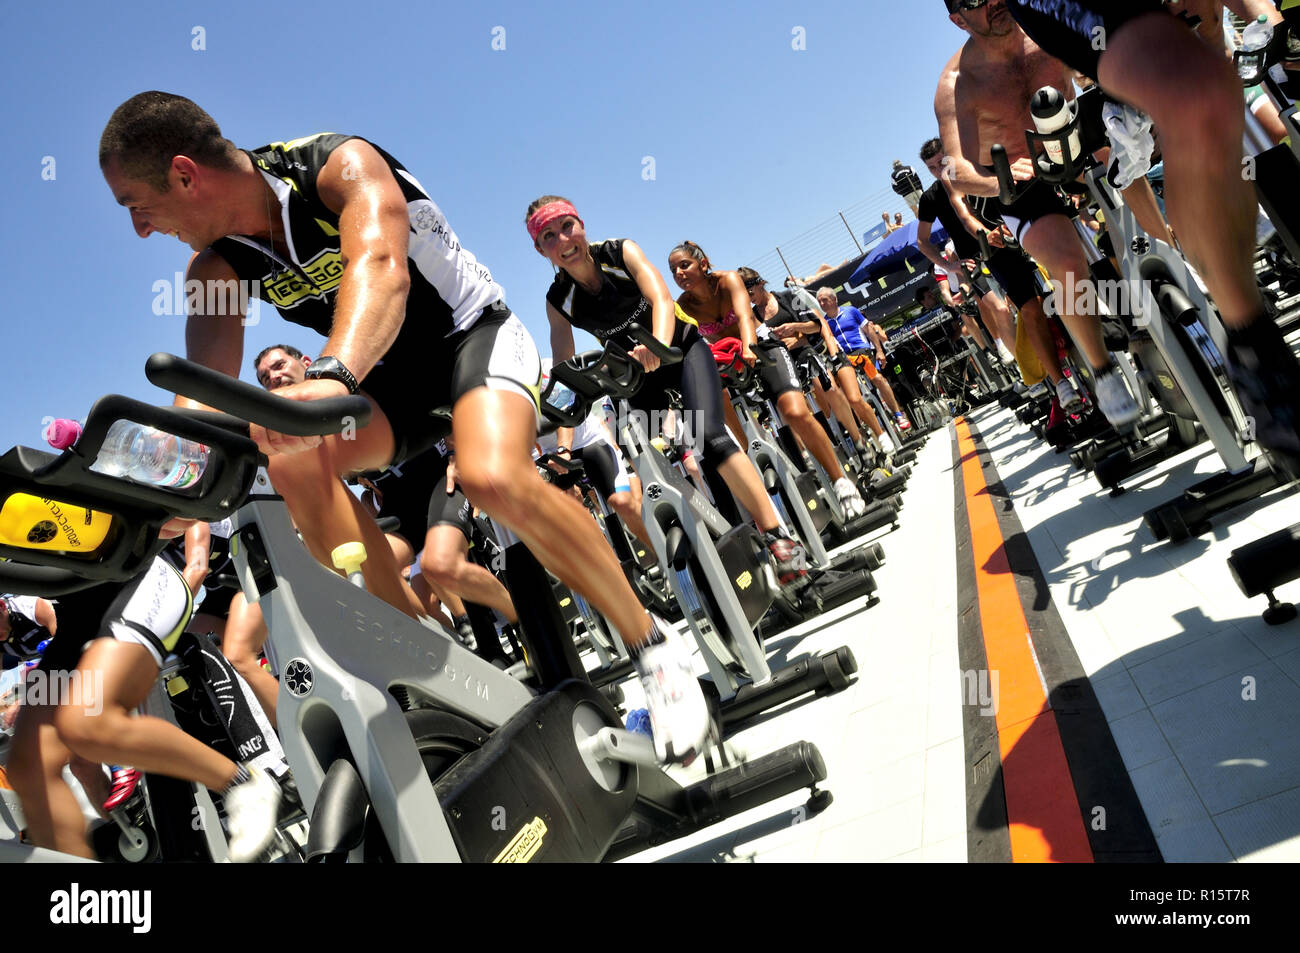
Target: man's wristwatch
[(333, 369)]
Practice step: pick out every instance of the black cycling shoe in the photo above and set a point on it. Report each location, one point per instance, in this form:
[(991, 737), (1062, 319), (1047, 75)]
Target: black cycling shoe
[(1266, 376)]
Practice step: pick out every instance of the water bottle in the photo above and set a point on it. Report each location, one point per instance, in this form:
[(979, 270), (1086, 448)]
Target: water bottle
[(150, 456), (62, 433), (163, 459), (1052, 113), (1256, 37)]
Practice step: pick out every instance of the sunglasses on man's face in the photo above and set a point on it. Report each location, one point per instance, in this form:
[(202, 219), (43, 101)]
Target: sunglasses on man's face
[(968, 5)]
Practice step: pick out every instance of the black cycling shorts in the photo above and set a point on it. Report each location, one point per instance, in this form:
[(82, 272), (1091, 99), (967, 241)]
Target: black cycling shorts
[(696, 379), (450, 509), (1016, 274), (1038, 201), (1076, 31), (152, 610), (415, 493), (417, 391), (777, 371)]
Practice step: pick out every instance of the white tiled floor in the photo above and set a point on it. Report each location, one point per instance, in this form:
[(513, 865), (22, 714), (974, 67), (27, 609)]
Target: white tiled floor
[(892, 741), (1201, 695)]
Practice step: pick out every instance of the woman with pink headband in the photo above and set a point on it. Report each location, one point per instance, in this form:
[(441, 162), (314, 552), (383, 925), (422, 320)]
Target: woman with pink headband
[(606, 287)]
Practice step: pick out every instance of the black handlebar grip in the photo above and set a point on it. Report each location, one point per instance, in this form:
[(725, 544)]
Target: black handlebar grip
[(243, 400), (1006, 183), (44, 582), (986, 250), (666, 355)]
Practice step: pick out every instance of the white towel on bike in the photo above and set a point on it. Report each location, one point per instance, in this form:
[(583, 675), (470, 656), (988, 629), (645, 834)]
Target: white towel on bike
[(1131, 144)]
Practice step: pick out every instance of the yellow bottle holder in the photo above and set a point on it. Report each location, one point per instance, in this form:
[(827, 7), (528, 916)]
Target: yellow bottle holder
[(30, 522)]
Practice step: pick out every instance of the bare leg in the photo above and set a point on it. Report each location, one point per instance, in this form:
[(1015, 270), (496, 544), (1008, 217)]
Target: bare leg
[(244, 637), (1054, 242), (974, 330), (444, 564), (886, 393), (627, 504), (54, 818), (1152, 62), (495, 432), (997, 318), (328, 515), (848, 380), (838, 405), (794, 408), (116, 677)]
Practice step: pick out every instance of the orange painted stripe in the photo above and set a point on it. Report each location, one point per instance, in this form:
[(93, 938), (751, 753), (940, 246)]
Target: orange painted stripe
[(1044, 818)]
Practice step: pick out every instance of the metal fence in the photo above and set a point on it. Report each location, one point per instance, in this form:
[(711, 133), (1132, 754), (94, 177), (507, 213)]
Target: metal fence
[(832, 242)]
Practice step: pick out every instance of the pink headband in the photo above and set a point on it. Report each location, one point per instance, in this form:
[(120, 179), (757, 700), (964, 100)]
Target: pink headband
[(547, 214)]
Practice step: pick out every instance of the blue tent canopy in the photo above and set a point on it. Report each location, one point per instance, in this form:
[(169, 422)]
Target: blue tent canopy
[(898, 248)]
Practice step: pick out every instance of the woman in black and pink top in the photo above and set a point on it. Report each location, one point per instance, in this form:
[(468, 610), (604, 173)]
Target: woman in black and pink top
[(605, 287)]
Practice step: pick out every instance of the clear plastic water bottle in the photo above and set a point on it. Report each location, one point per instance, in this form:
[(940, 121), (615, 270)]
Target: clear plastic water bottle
[(150, 456), (1257, 36)]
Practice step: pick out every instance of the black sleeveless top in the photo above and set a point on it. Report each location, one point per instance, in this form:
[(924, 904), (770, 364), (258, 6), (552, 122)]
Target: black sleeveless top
[(618, 305), (449, 288), (785, 314)]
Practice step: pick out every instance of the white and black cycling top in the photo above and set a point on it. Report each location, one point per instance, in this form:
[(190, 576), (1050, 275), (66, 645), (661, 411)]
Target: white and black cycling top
[(25, 633), (449, 287), (597, 427)]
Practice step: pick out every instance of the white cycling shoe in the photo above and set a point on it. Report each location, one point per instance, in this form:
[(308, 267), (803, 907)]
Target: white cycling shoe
[(1115, 401), (252, 809), (679, 715), (1068, 397), (850, 499)]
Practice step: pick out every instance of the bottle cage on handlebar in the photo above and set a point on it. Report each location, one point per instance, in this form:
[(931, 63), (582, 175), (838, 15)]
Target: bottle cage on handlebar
[(1086, 123), (1259, 63), (137, 512)]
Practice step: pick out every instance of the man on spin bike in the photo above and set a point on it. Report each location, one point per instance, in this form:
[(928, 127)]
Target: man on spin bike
[(982, 100), (341, 238), (1151, 60)]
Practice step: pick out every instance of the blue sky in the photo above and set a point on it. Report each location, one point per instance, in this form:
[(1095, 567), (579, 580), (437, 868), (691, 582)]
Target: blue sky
[(753, 141)]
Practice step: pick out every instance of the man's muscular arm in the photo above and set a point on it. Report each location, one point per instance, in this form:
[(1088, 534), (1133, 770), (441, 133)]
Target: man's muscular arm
[(374, 227), (214, 337), (929, 249), (968, 219), (959, 131)]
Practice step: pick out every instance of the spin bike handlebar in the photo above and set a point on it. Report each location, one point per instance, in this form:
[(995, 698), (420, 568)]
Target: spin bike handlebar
[(1085, 128), (591, 375), (249, 404), (128, 515)]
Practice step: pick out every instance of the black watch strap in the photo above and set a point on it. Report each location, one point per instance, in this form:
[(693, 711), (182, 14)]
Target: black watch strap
[(333, 369)]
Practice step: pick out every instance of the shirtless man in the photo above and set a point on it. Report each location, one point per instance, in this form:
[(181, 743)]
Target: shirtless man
[(1152, 60), (983, 99)]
